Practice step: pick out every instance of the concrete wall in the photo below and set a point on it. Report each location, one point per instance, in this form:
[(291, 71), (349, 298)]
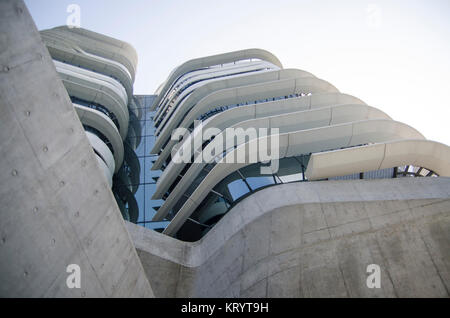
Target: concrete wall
[(56, 207), (313, 239)]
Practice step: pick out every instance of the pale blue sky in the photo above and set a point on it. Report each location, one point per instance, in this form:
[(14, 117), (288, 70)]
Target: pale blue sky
[(394, 55)]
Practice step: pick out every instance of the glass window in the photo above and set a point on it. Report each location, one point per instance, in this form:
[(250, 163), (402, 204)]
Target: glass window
[(237, 189), (140, 195), (231, 191), (289, 166), (212, 206), (291, 177), (259, 182), (254, 177)]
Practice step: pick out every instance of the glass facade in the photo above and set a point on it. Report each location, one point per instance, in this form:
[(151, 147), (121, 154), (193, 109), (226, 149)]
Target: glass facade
[(144, 183)]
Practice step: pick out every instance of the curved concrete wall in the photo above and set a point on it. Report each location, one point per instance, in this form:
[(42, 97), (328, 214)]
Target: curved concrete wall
[(313, 239)]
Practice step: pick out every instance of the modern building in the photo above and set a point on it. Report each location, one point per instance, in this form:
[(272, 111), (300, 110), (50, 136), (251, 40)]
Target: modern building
[(324, 134), (98, 73), (236, 178)]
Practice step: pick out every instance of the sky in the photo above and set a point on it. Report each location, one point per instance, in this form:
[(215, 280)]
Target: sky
[(394, 55)]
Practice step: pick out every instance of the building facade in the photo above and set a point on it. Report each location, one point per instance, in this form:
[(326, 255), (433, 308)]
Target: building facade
[(263, 181), (323, 134), (98, 73)]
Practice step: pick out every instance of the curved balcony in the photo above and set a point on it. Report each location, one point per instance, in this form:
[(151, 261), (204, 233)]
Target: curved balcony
[(105, 169), (429, 159), (102, 151), (98, 73), (195, 82), (210, 88), (290, 144), (99, 44), (315, 116), (416, 152), (68, 52), (218, 59), (127, 204), (129, 173), (222, 100), (105, 126), (88, 88)]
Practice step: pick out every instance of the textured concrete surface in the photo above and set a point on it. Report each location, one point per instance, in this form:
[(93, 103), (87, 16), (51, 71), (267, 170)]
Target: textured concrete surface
[(56, 206), (313, 239)]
